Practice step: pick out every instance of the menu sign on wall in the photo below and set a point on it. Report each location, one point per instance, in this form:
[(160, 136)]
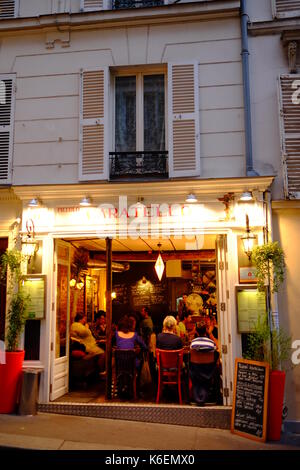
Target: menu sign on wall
[(251, 305), (250, 399), (34, 287)]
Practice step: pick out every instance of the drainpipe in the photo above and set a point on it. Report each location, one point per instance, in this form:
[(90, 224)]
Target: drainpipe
[(246, 88), (269, 238)]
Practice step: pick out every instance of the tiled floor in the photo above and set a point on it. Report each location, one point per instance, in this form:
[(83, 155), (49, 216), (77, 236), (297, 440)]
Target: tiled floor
[(95, 393)]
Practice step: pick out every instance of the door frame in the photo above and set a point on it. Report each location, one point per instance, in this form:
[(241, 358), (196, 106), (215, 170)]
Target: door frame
[(59, 366), (228, 330)]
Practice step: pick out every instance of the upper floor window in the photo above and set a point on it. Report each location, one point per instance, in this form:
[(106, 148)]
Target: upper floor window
[(93, 5), (290, 133), (120, 4), (8, 8), (286, 8), (140, 113), (6, 126), (145, 138)]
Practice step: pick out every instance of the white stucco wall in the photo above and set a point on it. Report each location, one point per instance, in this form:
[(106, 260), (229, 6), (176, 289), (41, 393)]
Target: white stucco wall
[(47, 100), (286, 230), (268, 59)]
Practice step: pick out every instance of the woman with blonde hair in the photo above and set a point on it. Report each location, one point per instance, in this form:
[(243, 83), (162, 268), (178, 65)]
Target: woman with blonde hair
[(168, 339)]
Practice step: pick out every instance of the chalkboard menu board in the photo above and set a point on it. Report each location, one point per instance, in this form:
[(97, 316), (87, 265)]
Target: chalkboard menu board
[(250, 399), (148, 294), (121, 292)]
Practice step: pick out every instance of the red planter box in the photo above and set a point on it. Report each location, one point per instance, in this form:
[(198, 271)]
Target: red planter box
[(275, 406), (10, 380)]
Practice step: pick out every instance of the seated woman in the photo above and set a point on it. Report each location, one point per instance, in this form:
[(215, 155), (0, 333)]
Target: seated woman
[(126, 338), (168, 339), (80, 331)]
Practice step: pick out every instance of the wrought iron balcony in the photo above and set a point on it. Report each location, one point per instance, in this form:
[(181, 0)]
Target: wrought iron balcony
[(121, 4), (126, 165)]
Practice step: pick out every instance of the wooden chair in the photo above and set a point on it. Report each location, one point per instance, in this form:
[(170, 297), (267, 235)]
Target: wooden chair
[(125, 372), (208, 361), (169, 370), (202, 357)]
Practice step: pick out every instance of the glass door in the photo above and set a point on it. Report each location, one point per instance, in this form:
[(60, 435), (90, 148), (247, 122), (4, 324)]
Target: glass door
[(224, 318), (61, 322)]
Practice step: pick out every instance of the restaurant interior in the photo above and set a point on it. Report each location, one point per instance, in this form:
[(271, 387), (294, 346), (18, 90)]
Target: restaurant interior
[(163, 275)]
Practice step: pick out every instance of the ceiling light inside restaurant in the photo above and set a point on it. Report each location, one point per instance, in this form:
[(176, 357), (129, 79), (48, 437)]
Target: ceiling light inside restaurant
[(246, 196), (191, 198), (85, 202)]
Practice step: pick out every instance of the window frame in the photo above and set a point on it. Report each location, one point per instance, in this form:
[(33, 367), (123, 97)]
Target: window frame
[(10, 127), (139, 73), (283, 15), (16, 12)]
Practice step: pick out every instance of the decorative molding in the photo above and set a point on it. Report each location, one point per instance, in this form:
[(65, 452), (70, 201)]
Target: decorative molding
[(138, 16), (62, 37), (177, 188), (292, 56)]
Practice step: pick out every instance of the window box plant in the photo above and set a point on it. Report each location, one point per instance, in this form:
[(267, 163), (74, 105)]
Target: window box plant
[(11, 370)]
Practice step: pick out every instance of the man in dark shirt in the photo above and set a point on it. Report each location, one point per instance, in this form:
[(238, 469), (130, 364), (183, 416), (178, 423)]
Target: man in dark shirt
[(146, 325), (168, 339)]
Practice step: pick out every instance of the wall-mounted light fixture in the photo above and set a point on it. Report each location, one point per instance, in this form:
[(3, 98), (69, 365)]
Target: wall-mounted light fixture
[(248, 239), (246, 196), (191, 198), (30, 245), (159, 265), (34, 202), (85, 202)]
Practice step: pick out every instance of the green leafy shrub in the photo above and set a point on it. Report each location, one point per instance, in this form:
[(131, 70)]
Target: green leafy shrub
[(268, 260), (10, 269), (269, 345)]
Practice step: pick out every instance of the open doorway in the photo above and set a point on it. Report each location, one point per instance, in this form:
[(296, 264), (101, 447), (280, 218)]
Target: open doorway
[(189, 282)]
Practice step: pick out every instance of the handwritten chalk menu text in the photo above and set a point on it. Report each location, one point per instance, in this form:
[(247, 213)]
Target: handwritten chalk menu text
[(250, 399)]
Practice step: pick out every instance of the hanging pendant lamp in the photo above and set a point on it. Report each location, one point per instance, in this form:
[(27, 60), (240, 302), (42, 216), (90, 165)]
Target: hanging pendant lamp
[(159, 265)]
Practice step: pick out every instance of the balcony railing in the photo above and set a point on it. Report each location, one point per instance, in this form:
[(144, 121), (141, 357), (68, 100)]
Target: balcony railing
[(127, 165), (121, 4)]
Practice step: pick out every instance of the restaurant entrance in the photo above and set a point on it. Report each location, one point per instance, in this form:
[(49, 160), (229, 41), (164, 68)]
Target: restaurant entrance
[(193, 288)]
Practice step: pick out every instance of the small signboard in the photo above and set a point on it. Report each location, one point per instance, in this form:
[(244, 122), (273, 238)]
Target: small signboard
[(251, 305), (35, 286), (250, 399), (247, 275)]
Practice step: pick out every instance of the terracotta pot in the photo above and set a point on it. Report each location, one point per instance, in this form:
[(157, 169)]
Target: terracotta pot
[(275, 406), (10, 381)]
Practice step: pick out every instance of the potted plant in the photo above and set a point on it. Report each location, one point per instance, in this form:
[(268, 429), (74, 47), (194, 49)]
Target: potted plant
[(11, 370), (267, 342), (269, 263)]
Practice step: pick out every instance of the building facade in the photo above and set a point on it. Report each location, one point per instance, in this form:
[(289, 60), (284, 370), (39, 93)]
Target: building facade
[(274, 65), (133, 106)]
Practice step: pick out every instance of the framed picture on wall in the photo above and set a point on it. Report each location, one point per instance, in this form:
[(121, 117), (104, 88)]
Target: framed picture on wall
[(247, 275)]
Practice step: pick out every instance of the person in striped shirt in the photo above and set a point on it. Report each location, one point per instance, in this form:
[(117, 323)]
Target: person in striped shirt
[(201, 342), (202, 375)]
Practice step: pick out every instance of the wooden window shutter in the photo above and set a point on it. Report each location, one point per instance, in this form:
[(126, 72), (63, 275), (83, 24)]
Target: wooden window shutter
[(7, 101), (287, 8), (289, 99), (93, 5), (183, 120), (8, 8), (93, 160)]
